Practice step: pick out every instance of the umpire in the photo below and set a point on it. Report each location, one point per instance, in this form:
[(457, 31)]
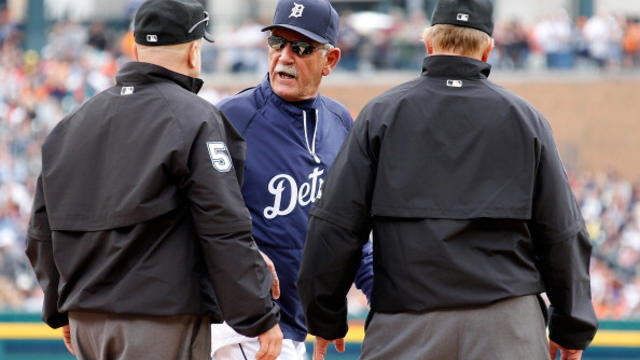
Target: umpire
[(139, 235), (471, 211)]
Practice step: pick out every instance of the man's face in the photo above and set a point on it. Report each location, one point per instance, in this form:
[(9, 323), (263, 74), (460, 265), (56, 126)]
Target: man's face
[(295, 77)]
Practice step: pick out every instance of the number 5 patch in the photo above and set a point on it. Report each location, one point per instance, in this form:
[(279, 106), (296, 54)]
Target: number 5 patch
[(219, 156)]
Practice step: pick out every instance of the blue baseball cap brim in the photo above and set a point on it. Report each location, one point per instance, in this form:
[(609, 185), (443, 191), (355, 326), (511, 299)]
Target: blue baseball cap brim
[(313, 36)]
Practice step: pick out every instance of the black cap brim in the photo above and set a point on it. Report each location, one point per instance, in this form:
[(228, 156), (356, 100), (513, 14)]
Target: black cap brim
[(208, 37), (315, 37)]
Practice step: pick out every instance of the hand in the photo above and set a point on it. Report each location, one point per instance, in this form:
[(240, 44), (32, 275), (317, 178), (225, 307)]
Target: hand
[(270, 344), (320, 346), (66, 333), (275, 287), (565, 354)]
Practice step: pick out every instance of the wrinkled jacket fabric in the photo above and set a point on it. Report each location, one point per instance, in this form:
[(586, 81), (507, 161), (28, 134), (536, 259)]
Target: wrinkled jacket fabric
[(469, 203), (138, 209)]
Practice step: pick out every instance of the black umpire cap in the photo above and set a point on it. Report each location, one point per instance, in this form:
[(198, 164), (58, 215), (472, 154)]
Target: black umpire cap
[(477, 14), (170, 22)]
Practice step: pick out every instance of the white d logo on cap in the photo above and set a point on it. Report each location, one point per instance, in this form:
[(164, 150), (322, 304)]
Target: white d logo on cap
[(296, 10), (152, 38)]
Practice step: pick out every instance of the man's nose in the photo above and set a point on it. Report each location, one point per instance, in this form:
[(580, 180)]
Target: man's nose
[(287, 54)]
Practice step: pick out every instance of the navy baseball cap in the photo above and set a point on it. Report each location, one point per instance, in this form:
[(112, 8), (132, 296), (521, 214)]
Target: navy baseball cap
[(315, 19), (170, 22), (477, 14)]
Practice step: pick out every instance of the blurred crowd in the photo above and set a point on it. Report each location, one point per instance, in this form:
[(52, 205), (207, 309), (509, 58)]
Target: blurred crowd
[(35, 93), (38, 89), (611, 209), (372, 41), (603, 41)]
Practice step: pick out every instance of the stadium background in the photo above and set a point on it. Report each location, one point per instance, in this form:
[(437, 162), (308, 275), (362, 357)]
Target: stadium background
[(576, 60)]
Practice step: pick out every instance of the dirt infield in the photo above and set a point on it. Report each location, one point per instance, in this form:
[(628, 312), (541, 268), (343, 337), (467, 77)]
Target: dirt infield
[(596, 122)]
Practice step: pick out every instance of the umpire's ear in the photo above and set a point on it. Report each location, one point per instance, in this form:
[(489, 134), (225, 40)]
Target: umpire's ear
[(426, 38), (487, 50), (333, 56), (134, 47), (428, 46), (194, 55)]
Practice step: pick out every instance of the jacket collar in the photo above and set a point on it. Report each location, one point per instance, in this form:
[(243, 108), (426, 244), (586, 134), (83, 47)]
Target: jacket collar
[(458, 66), (306, 109), (141, 72), (295, 107)]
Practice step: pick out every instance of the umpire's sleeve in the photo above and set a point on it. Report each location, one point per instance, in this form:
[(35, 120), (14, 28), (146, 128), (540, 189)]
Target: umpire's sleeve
[(239, 275), (40, 254), (338, 228), (563, 249)]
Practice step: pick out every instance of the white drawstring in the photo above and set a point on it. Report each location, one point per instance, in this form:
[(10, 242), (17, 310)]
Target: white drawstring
[(311, 148)]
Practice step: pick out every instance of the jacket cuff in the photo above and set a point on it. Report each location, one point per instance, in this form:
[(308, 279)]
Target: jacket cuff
[(571, 333), (56, 320), (260, 326)]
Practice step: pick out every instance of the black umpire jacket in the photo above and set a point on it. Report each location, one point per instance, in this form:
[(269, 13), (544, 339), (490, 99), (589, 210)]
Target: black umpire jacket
[(469, 203), (138, 209)]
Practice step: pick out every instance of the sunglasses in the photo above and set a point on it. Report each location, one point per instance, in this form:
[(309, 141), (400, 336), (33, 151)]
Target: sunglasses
[(301, 48)]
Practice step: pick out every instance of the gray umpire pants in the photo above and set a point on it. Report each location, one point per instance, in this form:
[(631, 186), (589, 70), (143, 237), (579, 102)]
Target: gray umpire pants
[(97, 336), (507, 330)]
